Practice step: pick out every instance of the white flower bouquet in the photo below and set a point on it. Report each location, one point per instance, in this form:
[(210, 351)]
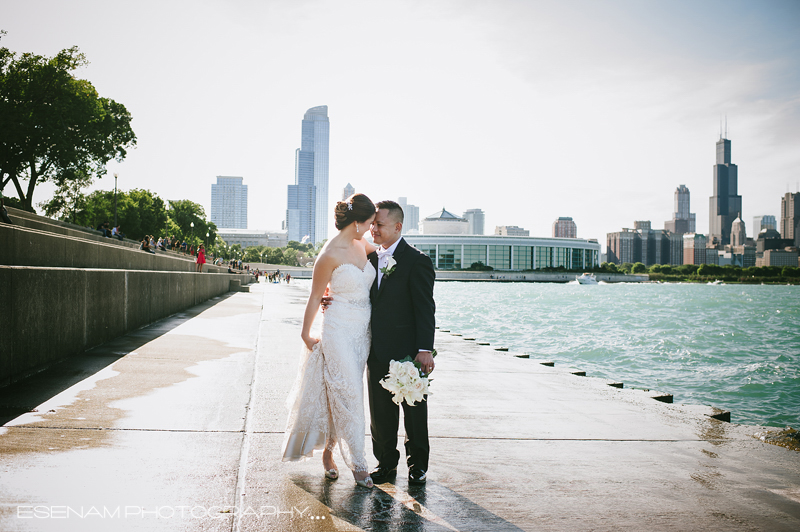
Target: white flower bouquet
[(405, 381)]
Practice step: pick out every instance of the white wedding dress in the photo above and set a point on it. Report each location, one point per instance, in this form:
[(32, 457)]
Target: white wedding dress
[(326, 404)]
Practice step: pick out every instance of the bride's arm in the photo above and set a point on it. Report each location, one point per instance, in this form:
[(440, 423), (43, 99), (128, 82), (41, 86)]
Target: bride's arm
[(323, 269), (369, 248)]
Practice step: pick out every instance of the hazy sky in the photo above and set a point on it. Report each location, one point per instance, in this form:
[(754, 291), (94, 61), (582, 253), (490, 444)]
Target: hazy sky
[(529, 110)]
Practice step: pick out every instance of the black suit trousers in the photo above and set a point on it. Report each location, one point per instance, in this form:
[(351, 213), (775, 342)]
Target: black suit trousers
[(385, 421)]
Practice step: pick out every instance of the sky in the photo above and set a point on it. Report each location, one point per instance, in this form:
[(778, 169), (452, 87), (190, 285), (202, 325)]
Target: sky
[(528, 110)]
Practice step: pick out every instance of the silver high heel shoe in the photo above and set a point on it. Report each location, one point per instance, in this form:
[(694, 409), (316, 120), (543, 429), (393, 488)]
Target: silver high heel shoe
[(366, 483), (331, 474)]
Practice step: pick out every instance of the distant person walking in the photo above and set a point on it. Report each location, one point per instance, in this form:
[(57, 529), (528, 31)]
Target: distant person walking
[(201, 258)]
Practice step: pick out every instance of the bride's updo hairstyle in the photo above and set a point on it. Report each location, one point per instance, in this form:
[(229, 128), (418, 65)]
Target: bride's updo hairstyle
[(356, 208)]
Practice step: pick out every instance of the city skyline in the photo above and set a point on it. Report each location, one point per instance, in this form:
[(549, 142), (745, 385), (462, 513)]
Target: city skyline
[(497, 127)]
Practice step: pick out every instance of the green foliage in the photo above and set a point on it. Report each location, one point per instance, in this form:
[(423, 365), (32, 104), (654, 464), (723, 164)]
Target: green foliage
[(68, 198), (638, 268), (254, 253), (790, 271), (661, 268), (609, 267), (274, 256), (184, 213), (139, 212), (728, 274), (480, 266), (626, 267), (294, 244), (293, 254), (686, 269), (56, 127)]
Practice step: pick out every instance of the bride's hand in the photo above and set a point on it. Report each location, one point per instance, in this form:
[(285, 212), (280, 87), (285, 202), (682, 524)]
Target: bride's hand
[(309, 341)]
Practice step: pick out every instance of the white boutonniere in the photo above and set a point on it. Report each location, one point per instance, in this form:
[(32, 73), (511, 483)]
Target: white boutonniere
[(391, 264)]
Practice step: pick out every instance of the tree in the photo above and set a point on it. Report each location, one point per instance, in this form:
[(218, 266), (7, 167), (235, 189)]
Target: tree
[(184, 213), (790, 271), (686, 269), (609, 267), (254, 253), (68, 198), (140, 212), (294, 244), (274, 256), (638, 267), (55, 126)]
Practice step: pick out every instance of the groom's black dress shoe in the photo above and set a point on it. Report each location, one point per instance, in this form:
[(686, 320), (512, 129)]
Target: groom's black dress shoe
[(417, 476), (383, 474)]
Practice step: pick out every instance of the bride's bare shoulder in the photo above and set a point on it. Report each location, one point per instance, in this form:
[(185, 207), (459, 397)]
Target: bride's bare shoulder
[(326, 260), (329, 257)]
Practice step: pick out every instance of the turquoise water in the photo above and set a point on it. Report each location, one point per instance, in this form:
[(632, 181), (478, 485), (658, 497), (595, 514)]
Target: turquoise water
[(736, 347), (731, 346)]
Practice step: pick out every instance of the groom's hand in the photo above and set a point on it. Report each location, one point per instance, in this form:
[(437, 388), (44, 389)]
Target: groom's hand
[(326, 300), (425, 359)]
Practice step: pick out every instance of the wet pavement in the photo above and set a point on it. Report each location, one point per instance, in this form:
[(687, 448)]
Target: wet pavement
[(179, 425)]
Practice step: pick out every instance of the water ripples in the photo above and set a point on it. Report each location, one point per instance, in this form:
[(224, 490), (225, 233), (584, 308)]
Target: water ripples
[(731, 346)]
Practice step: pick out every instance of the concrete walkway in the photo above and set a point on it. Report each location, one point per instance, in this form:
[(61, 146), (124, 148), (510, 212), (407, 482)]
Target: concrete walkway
[(178, 426)]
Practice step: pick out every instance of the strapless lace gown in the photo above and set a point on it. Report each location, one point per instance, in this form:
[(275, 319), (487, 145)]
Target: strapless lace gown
[(326, 404)]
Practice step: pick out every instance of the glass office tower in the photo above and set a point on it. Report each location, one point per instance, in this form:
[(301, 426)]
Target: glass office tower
[(726, 203), (307, 205), (229, 203)]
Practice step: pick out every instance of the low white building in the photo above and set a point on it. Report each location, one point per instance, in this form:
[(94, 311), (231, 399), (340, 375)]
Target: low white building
[(445, 223), (253, 237), (456, 252), (511, 230)]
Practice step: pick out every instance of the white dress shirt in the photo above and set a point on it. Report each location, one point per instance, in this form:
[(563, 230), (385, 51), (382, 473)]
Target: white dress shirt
[(383, 258)]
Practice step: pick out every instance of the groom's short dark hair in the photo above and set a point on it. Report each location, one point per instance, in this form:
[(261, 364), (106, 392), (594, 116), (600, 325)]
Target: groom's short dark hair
[(394, 208)]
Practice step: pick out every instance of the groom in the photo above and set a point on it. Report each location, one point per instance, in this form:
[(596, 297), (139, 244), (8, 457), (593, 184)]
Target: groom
[(402, 325)]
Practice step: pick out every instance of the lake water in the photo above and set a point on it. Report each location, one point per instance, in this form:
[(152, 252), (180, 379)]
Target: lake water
[(736, 347)]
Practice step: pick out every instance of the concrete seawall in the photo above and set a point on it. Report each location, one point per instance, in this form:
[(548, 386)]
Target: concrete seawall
[(54, 313), (24, 246)]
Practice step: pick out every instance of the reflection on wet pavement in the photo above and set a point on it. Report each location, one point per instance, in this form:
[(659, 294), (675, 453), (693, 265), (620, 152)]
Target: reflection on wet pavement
[(389, 507)]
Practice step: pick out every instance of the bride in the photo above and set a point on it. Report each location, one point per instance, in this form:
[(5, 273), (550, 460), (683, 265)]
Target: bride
[(327, 401)]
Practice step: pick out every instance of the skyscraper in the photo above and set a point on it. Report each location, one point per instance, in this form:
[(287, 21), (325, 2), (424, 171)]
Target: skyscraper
[(565, 227), (765, 221), (307, 205), (229, 203), (790, 217), (476, 218), (621, 246), (694, 249), (738, 232), (410, 216), (682, 221), (726, 203), (348, 191)]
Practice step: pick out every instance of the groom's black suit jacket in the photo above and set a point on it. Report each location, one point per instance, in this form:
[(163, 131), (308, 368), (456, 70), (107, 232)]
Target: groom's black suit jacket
[(402, 308)]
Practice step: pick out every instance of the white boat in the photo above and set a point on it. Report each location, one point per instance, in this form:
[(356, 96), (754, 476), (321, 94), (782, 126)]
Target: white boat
[(586, 278)]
